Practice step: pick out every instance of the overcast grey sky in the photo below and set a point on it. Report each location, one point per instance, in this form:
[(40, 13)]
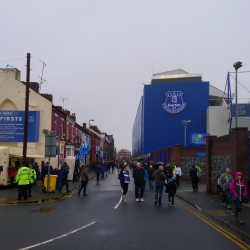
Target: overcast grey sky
[(98, 52)]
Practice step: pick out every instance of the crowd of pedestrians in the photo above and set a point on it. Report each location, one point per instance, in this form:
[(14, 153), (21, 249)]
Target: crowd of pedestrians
[(157, 174)]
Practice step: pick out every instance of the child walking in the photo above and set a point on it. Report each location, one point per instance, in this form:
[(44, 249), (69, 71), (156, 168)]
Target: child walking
[(171, 190)]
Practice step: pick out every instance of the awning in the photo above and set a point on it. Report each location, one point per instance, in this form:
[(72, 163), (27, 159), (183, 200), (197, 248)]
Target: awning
[(29, 156)]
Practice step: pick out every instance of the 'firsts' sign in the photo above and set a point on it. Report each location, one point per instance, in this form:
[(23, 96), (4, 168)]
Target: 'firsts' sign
[(12, 126)]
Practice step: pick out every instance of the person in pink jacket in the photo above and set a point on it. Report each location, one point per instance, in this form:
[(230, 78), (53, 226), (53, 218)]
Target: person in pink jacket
[(238, 189)]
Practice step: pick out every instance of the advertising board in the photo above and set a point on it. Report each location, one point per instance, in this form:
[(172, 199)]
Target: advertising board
[(198, 139), (12, 126)]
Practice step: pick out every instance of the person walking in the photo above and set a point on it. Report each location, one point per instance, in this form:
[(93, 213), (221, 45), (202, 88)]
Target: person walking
[(178, 175), (171, 189), (198, 172), (98, 170), (145, 176), (195, 179), (225, 181), (103, 169), (12, 173), (124, 181), (32, 178), (23, 179), (150, 176), (168, 171), (84, 180), (238, 189), (138, 175), (64, 180), (159, 177)]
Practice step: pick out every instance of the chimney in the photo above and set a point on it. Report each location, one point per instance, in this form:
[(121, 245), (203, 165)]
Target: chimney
[(84, 125), (34, 86), (49, 97), (95, 128), (67, 112), (73, 116), (59, 107)]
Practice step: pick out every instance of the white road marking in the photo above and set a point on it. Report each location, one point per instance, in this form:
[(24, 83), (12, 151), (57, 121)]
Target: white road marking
[(59, 237), (118, 203)]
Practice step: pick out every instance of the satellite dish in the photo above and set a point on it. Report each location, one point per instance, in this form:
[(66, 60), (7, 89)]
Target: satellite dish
[(45, 131)]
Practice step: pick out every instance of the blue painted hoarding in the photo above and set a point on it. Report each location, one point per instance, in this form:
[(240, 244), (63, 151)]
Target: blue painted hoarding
[(243, 110), (162, 120), (12, 126), (200, 154)]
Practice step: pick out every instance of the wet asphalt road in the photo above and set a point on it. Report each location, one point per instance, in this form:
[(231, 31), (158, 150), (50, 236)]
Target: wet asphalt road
[(133, 225)]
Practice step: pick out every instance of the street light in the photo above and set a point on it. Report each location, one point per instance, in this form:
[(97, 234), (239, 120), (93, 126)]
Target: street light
[(185, 135), (91, 120), (236, 65)]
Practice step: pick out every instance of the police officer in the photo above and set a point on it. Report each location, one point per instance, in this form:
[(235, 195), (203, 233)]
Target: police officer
[(32, 178), (23, 180), (174, 171), (198, 170)]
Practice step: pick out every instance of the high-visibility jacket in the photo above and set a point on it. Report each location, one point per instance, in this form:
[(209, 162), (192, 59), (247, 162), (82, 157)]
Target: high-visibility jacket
[(174, 171), (23, 176), (198, 168), (33, 175)]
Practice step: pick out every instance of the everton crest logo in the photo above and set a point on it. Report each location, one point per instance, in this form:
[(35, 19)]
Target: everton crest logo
[(31, 118), (174, 103)]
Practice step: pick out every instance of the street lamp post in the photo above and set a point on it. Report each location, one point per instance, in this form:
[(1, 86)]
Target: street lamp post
[(236, 65), (185, 131), (91, 120)]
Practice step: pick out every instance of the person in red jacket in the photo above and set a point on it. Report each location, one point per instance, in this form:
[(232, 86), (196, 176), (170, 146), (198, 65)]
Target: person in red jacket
[(12, 173), (238, 189)]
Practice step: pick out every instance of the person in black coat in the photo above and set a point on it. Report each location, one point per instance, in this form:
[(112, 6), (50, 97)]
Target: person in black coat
[(98, 171), (138, 175), (168, 171), (195, 179), (150, 176), (171, 189)]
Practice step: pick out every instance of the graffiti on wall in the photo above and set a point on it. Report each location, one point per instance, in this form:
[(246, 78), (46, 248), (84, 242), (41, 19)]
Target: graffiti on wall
[(218, 165), (187, 162)]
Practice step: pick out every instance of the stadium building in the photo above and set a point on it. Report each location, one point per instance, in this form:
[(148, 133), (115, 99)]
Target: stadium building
[(177, 96)]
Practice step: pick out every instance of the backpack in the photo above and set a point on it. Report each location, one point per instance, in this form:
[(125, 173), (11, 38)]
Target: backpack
[(199, 174)]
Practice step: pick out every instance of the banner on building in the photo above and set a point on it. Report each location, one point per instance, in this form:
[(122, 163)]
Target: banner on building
[(198, 139), (12, 126)]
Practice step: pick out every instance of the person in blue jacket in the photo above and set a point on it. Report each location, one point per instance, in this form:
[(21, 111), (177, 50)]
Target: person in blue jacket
[(103, 169), (146, 175)]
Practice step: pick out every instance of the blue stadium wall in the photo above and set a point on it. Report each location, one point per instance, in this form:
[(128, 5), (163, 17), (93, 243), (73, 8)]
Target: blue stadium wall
[(160, 129)]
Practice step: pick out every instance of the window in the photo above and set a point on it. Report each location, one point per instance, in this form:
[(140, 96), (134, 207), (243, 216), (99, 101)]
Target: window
[(62, 128), (56, 124), (68, 152), (67, 130), (72, 133)]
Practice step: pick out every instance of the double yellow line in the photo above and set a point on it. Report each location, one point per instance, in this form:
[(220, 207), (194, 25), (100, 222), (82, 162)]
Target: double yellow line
[(221, 230)]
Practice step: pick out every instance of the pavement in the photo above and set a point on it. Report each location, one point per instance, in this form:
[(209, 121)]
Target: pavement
[(8, 195), (102, 221), (211, 204)]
